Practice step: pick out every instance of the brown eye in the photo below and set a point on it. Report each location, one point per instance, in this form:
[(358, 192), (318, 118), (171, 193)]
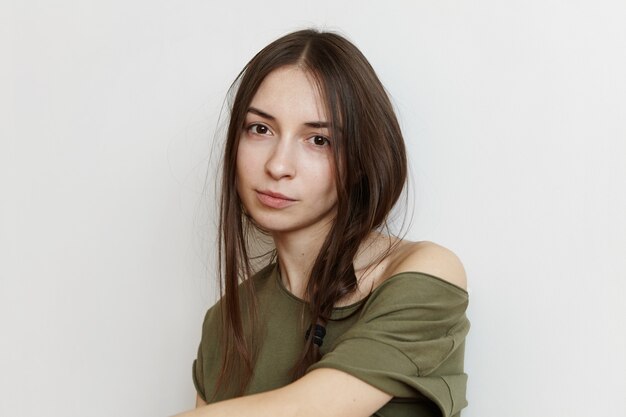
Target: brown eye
[(258, 129), (320, 141)]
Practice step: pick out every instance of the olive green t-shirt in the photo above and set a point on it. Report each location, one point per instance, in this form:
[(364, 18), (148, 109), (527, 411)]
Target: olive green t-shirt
[(407, 340)]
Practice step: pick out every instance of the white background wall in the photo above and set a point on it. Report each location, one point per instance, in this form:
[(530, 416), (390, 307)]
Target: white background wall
[(514, 116)]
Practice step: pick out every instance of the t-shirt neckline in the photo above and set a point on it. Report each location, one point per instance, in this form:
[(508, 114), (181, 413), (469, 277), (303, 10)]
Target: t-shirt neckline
[(279, 282)]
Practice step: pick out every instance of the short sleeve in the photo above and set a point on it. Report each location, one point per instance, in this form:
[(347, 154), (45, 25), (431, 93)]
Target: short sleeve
[(207, 365), (197, 370), (408, 341), (197, 375)]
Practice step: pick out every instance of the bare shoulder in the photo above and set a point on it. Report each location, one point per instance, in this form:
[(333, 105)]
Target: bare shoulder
[(429, 258)]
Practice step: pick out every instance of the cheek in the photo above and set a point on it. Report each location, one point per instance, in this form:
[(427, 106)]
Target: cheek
[(245, 163), (241, 158), (242, 169), (331, 177), (327, 182)]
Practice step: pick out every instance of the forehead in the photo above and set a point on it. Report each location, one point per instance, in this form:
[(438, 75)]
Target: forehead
[(290, 93)]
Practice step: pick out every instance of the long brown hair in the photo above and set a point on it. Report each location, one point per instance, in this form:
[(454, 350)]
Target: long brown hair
[(371, 171)]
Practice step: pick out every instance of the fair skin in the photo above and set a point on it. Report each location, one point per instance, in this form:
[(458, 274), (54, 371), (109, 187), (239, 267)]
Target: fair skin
[(286, 149), (286, 182)]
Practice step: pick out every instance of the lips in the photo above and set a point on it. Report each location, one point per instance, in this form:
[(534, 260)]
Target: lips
[(274, 200)]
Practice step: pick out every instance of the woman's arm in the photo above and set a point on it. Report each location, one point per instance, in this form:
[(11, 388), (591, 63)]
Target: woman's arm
[(199, 401), (322, 392), (329, 392)]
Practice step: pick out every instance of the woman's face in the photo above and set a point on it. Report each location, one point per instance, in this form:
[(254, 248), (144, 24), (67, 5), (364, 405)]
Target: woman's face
[(285, 174)]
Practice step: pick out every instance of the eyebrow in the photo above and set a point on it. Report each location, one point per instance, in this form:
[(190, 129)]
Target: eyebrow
[(316, 124)]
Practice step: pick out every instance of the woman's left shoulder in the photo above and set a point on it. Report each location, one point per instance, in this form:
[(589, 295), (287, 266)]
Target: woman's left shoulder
[(429, 258)]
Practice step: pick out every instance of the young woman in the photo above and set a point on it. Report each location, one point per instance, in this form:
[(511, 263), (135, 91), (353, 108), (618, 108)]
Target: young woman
[(343, 319)]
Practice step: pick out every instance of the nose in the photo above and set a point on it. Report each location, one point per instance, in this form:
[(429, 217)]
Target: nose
[(281, 161)]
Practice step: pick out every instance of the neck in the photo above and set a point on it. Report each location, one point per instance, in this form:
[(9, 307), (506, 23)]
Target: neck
[(297, 252)]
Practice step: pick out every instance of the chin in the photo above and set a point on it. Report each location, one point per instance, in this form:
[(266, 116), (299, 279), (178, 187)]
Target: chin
[(273, 225)]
